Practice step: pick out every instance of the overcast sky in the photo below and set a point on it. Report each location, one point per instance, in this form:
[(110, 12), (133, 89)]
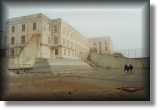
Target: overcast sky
[(123, 23)]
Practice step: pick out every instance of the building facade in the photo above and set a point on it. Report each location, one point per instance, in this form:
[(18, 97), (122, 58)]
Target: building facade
[(38, 37), (101, 45)]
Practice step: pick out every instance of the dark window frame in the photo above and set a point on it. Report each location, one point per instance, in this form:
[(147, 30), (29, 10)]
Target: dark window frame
[(12, 40), (23, 39), (34, 26), (56, 52), (23, 27), (12, 52)]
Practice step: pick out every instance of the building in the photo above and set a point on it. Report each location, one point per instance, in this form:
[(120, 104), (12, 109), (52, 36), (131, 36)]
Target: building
[(34, 37), (101, 45)]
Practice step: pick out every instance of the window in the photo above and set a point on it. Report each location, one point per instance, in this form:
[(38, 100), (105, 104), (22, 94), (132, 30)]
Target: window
[(13, 28), (34, 26), (23, 40), (56, 51), (23, 27), (12, 52), (12, 40)]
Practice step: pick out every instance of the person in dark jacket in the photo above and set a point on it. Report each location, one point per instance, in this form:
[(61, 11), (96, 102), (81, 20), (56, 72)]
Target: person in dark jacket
[(130, 67), (126, 68)]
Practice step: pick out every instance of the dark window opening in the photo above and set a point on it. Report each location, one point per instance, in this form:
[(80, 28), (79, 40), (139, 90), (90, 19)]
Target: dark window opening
[(23, 27), (34, 26), (12, 40), (12, 52), (23, 40), (56, 51)]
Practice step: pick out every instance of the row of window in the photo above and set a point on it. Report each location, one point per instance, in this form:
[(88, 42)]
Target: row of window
[(23, 40), (70, 44), (66, 43), (100, 45), (24, 27), (70, 52), (67, 52)]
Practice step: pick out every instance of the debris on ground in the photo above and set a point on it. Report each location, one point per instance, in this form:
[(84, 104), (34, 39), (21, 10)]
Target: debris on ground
[(130, 89)]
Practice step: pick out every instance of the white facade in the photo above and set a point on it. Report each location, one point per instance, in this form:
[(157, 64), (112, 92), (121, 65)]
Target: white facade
[(36, 36)]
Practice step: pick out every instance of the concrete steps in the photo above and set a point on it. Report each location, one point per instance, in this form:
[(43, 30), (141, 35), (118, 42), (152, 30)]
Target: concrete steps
[(62, 66)]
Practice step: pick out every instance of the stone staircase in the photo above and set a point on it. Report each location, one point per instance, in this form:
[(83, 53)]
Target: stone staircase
[(62, 66)]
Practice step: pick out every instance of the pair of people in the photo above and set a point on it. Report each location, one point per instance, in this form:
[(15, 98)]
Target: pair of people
[(128, 68)]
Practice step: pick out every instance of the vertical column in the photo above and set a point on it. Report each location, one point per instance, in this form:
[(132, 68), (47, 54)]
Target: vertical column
[(45, 49)]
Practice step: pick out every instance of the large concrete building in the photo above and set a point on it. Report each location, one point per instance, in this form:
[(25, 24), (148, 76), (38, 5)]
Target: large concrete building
[(35, 37)]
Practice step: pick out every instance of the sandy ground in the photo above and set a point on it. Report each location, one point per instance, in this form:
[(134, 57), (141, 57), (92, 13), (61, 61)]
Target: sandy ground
[(101, 85)]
